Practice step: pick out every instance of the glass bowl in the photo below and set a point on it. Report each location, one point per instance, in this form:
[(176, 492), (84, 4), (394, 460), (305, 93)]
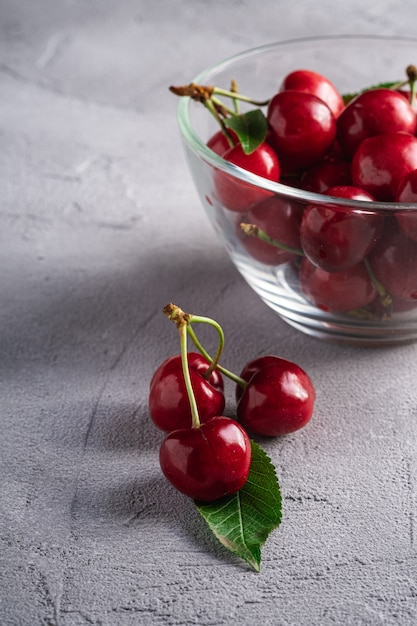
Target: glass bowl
[(292, 286)]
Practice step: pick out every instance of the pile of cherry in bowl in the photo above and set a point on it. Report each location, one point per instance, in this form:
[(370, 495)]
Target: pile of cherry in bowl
[(359, 150)]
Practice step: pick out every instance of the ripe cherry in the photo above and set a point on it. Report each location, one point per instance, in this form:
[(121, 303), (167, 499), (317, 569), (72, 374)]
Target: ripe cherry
[(279, 397), (237, 195), (280, 219), (251, 368), (168, 399), (337, 291), (219, 143), (330, 172), (302, 129), (374, 112), (393, 261), (208, 462), (381, 162), (312, 82), (337, 238), (407, 192)]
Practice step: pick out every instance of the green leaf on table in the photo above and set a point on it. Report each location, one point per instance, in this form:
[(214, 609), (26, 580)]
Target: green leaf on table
[(250, 128), (347, 97), (243, 521)]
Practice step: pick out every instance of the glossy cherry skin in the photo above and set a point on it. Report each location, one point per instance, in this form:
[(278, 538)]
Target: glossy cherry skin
[(168, 399), (407, 192), (374, 112), (337, 292), (252, 367), (330, 172), (278, 400), (219, 143), (336, 239), (280, 219), (209, 462), (237, 195), (312, 82), (302, 129), (381, 162), (394, 262)]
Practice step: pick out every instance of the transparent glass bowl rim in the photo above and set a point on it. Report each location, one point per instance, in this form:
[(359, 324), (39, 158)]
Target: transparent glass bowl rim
[(202, 151)]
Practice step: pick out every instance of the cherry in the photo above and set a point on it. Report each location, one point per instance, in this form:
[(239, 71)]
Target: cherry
[(237, 195), (280, 219), (393, 261), (337, 291), (381, 162), (337, 238), (374, 112), (208, 462), (168, 400), (219, 142), (302, 129), (312, 82), (278, 399), (330, 172), (407, 192), (251, 368)]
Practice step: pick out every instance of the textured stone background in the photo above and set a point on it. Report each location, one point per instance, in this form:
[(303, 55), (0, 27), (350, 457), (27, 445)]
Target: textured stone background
[(99, 228)]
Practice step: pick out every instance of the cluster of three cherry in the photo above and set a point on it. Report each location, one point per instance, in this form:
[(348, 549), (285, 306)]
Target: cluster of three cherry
[(205, 454)]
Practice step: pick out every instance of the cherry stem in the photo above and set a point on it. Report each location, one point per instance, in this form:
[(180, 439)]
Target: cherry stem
[(234, 89), (412, 78), (254, 231), (214, 110), (386, 298), (180, 319), (202, 93), (207, 320), (237, 379), (187, 378), (185, 320), (238, 96)]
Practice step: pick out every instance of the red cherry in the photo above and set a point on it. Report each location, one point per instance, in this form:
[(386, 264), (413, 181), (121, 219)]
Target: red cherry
[(280, 219), (394, 262), (237, 195), (278, 399), (337, 291), (168, 399), (219, 143), (330, 172), (407, 192), (374, 112), (381, 162), (254, 366), (208, 462), (302, 129), (316, 84), (335, 238)]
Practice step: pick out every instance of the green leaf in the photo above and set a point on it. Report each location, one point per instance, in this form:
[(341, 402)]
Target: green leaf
[(243, 521), (347, 97), (250, 128)]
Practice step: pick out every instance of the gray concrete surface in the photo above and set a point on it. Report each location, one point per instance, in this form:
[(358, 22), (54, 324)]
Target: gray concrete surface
[(99, 228)]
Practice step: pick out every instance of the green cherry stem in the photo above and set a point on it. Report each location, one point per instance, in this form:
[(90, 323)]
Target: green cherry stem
[(180, 319), (177, 315), (234, 89), (412, 78), (238, 96), (234, 377), (198, 319), (184, 322), (385, 297), (254, 231), (186, 371)]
